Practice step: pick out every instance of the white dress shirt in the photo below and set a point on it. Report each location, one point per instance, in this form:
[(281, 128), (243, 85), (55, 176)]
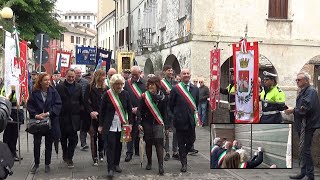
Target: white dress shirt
[(116, 123)]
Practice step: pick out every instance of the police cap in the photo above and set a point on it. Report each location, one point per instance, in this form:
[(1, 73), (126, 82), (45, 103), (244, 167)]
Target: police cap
[(268, 75)]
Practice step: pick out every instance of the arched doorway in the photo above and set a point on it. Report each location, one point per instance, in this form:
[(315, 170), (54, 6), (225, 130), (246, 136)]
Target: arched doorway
[(264, 65), (173, 61), (148, 68)]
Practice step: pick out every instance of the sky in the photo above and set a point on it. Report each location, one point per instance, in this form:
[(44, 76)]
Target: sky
[(77, 5)]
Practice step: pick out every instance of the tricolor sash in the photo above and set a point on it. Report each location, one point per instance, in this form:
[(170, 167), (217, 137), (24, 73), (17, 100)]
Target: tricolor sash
[(213, 148), (153, 107), (243, 165), (221, 158), (108, 82), (165, 84), (123, 116), (135, 88), (189, 98)]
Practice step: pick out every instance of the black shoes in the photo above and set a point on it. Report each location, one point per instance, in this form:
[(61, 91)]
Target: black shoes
[(299, 176), (148, 167), (176, 156), (84, 147), (70, 164), (16, 158), (128, 158), (100, 156), (166, 157), (161, 171), (47, 169), (193, 151), (183, 168), (118, 169), (34, 169), (110, 174)]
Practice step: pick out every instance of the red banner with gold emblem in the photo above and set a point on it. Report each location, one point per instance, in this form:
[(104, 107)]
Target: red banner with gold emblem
[(246, 70), (214, 77), (23, 77)]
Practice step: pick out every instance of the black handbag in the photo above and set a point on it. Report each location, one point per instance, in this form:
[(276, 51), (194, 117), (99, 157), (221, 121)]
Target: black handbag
[(36, 126)]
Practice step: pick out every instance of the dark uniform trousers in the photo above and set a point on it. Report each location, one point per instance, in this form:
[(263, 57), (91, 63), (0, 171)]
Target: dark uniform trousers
[(69, 141), (114, 148), (307, 167), (185, 143), (48, 147)]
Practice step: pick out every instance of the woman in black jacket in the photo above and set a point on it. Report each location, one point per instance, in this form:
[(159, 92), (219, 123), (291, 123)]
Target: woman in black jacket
[(153, 121), (44, 102), (115, 112), (92, 101)]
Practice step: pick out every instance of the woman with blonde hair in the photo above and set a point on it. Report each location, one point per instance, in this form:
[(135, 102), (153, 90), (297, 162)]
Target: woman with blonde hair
[(115, 112), (231, 160), (255, 161), (92, 101)]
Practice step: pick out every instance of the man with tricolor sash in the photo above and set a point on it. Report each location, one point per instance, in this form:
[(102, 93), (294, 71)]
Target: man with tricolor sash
[(217, 143), (110, 73), (221, 154), (135, 86), (167, 83), (184, 100)]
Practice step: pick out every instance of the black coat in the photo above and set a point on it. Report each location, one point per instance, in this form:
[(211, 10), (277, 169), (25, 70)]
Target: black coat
[(255, 161), (170, 115), (52, 105), (145, 117), (183, 113), (92, 101), (214, 158), (71, 105), (308, 99), (107, 111), (133, 98)]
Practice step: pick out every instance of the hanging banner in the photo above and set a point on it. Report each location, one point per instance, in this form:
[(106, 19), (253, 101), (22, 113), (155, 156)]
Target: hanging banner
[(246, 68), (104, 55), (214, 77), (64, 58), (11, 67), (85, 55), (24, 91)]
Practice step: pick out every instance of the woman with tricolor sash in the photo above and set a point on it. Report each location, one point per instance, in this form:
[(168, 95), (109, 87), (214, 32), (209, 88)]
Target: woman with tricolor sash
[(152, 120), (240, 159), (115, 112)]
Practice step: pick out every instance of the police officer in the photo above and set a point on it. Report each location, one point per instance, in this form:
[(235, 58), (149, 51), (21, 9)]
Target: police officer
[(230, 91), (272, 99)]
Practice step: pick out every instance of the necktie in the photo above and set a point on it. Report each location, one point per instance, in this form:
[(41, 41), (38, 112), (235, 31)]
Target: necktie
[(301, 143), (187, 85)]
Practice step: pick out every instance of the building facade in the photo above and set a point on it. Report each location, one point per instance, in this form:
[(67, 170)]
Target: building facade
[(105, 7), (79, 18), (182, 33), (122, 25)]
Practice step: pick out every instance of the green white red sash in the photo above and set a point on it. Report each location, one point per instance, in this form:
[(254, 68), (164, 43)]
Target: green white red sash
[(213, 148), (123, 116), (189, 98), (243, 165), (165, 84), (135, 88), (153, 107), (221, 158), (108, 82)]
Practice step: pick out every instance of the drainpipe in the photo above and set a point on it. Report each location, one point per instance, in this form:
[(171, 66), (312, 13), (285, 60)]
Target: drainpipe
[(129, 26)]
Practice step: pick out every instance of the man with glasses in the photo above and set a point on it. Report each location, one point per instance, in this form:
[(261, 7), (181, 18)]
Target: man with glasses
[(272, 99), (135, 86)]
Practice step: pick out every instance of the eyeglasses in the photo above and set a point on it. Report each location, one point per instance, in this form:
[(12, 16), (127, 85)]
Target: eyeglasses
[(200, 81), (298, 80)]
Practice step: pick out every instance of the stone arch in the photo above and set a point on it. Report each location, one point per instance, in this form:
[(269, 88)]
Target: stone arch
[(148, 67), (173, 61), (313, 68)]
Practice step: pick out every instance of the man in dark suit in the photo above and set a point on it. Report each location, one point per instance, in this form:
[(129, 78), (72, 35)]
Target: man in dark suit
[(306, 121), (56, 78), (135, 96), (184, 120), (71, 97)]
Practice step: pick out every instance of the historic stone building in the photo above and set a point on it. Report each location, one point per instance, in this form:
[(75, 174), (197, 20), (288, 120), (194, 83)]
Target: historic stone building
[(182, 32)]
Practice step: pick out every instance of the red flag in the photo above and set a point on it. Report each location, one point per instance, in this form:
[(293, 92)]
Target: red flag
[(23, 78), (214, 77)]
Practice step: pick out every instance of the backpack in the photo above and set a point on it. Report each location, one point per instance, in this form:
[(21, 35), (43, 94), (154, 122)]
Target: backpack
[(6, 161)]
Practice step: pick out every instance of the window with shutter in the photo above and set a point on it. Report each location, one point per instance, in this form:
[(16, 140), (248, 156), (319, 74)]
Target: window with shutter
[(278, 9)]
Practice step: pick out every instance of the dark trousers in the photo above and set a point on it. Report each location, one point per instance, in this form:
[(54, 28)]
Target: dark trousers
[(158, 143), (185, 143), (94, 136), (114, 148), (85, 125), (48, 147), (307, 167), (10, 134), (232, 118), (135, 140), (69, 141)]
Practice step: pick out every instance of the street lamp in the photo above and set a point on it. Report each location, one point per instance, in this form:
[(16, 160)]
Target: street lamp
[(6, 13)]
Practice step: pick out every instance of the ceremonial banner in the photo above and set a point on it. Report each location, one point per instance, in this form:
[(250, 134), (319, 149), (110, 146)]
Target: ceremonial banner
[(246, 68), (214, 77), (85, 55), (11, 69), (104, 55), (24, 91), (64, 58)]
